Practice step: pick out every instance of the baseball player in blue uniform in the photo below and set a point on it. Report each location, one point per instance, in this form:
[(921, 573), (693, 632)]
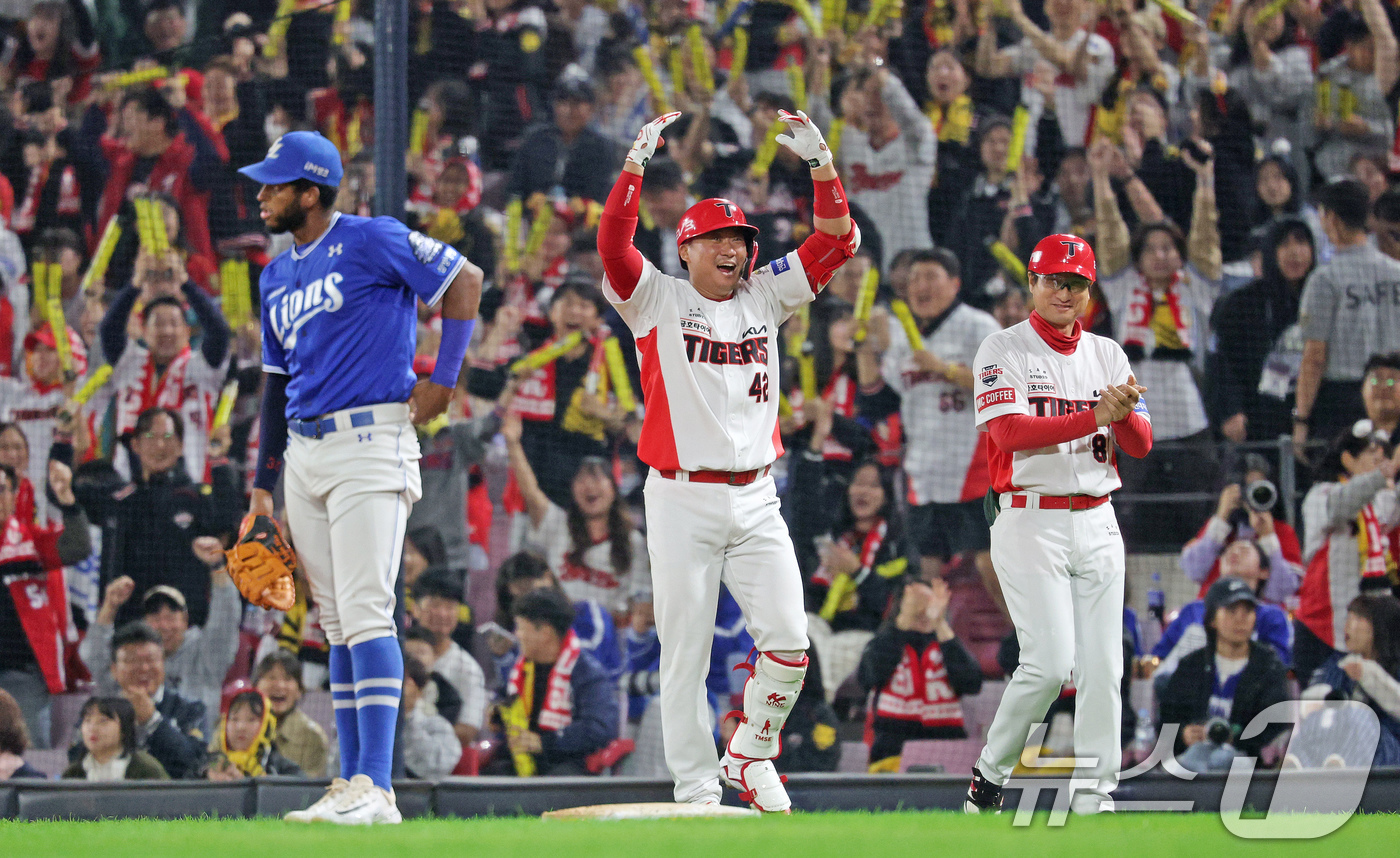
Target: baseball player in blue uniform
[(339, 326)]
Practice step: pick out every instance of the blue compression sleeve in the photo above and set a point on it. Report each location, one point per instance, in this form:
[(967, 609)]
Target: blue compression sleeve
[(272, 431), (452, 350)]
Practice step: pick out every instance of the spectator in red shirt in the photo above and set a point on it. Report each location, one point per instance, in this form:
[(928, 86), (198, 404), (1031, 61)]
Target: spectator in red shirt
[(59, 43), (160, 150)]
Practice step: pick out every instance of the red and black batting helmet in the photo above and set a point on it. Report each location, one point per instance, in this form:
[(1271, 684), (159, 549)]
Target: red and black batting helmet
[(713, 214), (1063, 253)]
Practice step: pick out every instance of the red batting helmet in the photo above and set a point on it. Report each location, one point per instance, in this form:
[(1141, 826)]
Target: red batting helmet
[(1064, 253), (710, 215)]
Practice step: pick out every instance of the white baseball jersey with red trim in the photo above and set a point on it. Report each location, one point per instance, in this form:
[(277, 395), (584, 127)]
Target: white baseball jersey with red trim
[(189, 386), (710, 368), (37, 415), (943, 456), (1018, 373)]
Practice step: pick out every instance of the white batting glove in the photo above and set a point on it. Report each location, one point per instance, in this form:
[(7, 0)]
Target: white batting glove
[(806, 139), (649, 138)]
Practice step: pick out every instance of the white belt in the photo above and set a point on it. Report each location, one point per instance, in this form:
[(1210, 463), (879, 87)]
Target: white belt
[(349, 418)]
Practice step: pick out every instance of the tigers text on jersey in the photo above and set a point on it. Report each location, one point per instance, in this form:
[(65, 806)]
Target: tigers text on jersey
[(943, 454), (710, 368), (340, 316), (1018, 373)]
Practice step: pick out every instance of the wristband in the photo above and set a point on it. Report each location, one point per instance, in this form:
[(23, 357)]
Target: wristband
[(829, 199), (452, 350)]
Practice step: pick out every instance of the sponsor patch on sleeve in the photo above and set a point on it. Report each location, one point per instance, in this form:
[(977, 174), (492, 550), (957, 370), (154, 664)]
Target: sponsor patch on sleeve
[(425, 249), (779, 265), (1141, 407), (995, 397)]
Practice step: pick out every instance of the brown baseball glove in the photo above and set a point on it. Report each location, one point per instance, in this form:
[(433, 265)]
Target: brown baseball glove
[(262, 562)]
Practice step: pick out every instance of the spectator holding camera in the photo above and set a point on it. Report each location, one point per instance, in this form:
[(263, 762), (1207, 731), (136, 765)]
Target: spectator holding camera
[(1232, 678), (1246, 511), (1348, 516)]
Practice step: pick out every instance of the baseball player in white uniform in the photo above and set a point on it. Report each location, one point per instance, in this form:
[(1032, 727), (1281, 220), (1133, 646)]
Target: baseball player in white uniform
[(339, 323), (1058, 403), (709, 358)]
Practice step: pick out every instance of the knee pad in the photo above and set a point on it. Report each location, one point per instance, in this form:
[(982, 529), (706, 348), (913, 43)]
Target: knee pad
[(769, 695)]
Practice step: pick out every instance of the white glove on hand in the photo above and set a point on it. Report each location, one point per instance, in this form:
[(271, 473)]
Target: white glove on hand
[(806, 139), (649, 138)]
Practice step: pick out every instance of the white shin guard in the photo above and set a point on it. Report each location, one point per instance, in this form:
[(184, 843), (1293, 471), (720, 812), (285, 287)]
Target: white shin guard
[(769, 696)]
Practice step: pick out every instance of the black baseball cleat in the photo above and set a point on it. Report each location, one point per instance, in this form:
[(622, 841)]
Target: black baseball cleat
[(983, 796)]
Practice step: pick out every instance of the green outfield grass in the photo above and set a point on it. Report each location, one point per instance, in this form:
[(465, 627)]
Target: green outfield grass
[(847, 835)]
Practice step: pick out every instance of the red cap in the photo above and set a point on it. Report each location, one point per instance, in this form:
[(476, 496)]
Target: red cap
[(710, 215), (1063, 253), (43, 335), (424, 364)]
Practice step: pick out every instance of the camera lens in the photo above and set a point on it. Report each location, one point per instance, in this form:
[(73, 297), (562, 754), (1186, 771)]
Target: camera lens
[(1261, 495)]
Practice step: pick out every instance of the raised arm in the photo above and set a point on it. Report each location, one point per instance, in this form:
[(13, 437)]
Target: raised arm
[(1387, 52), (536, 502), (1111, 248), (1203, 243), (914, 127), (622, 261)]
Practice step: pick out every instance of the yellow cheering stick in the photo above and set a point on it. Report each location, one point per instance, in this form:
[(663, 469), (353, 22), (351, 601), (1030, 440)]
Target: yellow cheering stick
[(1180, 13), (865, 302), (699, 58), (515, 211), (800, 349), (93, 384), (547, 354), (876, 13), (145, 224), (841, 587), (1008, 261), (784, 407), (277, 30), (515, 717), (739, 55), (906, 319), (829, 15), (617, 371), (159, 236), (767, 151), (229, 286), (103, 257), (342, 17), (135, 78), (53, 313), (225, 407), (804, 11), (418, 133), (677, 66), (1271, 10), (833, 138), (660, 103), (1020, 123), (797, 83), (838, 16), (539, 228)]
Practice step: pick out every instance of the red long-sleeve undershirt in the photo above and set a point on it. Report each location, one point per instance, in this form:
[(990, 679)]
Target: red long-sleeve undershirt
[(622, 261), (1014, 433)]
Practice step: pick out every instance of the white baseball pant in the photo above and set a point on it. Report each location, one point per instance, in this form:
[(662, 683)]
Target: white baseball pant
[(348, 496), (699, 534), (1062, 575)]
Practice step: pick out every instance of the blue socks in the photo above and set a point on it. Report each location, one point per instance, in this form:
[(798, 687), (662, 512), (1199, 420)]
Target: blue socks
[(378, 685), (347, 727)]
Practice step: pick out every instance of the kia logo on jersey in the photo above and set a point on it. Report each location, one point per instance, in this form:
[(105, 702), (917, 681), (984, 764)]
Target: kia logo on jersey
[(295, 309), (991, 375)]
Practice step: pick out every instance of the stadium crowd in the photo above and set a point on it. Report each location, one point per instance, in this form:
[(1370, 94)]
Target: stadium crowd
[(1231, 163)]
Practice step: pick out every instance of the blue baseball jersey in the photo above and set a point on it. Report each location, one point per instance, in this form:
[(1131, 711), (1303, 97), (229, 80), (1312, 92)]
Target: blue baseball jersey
[(339, 316)]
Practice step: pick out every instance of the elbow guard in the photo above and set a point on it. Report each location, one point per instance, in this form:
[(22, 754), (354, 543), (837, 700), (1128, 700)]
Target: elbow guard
[(821, 254)]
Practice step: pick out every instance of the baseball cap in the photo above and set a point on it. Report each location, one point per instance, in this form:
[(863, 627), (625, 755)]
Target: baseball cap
[(163, 592), (1228, 591), (298, 155)]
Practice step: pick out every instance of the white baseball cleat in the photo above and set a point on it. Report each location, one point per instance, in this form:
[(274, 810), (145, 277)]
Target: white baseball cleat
[(363, 803), (319, 811), (758, 783)]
